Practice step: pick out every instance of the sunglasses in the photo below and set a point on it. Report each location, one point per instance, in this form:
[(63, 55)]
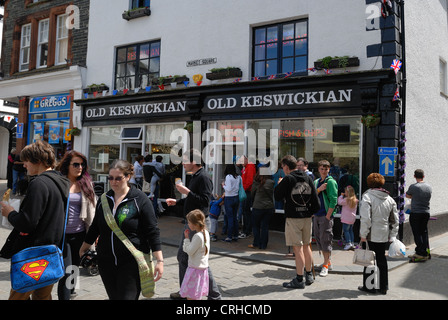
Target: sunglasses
[(110, 178), (77, 165)]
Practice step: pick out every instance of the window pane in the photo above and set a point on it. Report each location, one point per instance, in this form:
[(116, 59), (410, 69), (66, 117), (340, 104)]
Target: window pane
[(272, 34), (130, 68), (143, 66), (121, 70), (272, 51), (301, 64), (43, 53), (288, 65), (260, 52), (62, 50), (259, 69), (288, 32), (288, 48), (260, 36), (271, 67), (132, 53), (120, 83), (154, 65), (121, 55), (144, 80), (155, 49), (301, 47), (301, 29), (144, 51)]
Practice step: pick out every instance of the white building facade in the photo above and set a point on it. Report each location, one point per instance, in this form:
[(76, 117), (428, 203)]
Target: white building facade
[(285, 85)]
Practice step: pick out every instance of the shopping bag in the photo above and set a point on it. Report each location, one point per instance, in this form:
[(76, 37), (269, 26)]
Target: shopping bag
[(364, 257), (397, 249), (36, 267), (241, 192), (15, 203)]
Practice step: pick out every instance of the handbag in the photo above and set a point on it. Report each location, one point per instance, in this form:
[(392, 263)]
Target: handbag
[(37, 267), (144, 260), (146, 188), (364, 257), (241, 192)]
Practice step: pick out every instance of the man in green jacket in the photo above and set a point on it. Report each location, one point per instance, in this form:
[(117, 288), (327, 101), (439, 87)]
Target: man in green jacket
[(327, 190)]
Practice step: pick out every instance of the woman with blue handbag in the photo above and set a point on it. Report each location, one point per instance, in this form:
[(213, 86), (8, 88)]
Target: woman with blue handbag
[(41, 218)]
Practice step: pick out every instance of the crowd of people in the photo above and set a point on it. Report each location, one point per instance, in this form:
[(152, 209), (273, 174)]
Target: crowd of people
[(309, 205)]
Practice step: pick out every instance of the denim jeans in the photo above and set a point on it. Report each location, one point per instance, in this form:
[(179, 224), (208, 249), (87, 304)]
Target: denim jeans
[(349, 236), (261, 219), (231, 207), (16, 176)]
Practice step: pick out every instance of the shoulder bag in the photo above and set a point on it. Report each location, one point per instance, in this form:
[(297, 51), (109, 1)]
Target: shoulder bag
[(144, 261), (364, 257), (241, 192), (38, 267)]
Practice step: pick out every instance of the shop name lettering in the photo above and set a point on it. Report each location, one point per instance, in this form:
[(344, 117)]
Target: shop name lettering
[(283, 99), (136, 109)]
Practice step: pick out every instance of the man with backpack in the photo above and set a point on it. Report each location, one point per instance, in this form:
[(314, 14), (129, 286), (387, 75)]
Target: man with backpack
[(301, 202)]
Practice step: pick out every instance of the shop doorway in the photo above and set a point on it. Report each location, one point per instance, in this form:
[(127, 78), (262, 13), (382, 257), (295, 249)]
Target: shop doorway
[(130, 151)]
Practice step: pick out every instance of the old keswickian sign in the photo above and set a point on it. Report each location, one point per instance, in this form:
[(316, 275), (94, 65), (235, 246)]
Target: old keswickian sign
[(283, 100), (135, 109)]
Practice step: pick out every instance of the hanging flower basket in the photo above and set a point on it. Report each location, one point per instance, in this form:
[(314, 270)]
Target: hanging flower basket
[(136, 13), (224, 73), (371, 120), (75, 131)]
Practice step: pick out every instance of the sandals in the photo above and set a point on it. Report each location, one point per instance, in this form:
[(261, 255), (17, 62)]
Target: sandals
[(294, 284)]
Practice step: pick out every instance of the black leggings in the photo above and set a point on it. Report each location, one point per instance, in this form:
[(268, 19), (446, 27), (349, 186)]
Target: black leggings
[(122, 281), (381, 262)]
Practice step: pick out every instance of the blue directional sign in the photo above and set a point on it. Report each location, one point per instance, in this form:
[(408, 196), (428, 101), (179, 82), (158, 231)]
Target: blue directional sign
[(387, 165), (19, 131), (387, 151)]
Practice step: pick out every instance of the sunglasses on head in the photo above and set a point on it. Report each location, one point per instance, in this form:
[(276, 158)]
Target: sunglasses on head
[(110, 178), (77, 165)]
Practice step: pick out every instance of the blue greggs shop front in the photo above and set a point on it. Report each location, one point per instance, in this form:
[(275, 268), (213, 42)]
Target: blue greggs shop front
[(49, 119)]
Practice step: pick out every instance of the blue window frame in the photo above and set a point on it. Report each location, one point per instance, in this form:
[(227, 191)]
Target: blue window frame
[(280, 48), (139, 4)]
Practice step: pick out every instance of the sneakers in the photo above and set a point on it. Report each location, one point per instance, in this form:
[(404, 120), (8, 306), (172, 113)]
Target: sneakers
[(348, 246), (324, 271), (330, 266), (309, 278), (213, 238)]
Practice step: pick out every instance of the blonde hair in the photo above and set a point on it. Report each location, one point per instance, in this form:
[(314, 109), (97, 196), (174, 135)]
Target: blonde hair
[(350, 196), (197, 218)]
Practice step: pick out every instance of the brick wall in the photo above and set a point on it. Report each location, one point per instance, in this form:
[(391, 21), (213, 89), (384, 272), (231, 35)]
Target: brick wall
[(19, 11)]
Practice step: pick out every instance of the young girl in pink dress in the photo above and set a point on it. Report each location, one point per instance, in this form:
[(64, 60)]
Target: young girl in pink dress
[(349, 204), (195, 283)]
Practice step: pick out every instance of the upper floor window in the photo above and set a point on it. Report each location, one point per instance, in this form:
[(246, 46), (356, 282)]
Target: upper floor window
[(25, 43), (61, 40), (136, 65), (280, 48), (139, 3), (42, 43)]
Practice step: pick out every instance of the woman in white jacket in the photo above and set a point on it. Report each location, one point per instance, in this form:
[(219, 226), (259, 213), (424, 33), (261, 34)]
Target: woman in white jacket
[(379, 225)]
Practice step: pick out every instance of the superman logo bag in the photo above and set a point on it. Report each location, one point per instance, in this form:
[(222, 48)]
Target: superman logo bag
[(36, 267)]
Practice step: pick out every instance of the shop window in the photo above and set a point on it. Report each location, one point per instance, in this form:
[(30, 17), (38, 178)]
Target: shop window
[(104, 148), (280, 48), (136, 65), (131, 133)]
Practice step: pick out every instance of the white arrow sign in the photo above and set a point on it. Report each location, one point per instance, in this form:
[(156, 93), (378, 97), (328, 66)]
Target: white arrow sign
[(386, 162)]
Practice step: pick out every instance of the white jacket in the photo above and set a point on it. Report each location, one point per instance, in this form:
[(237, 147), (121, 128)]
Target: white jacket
[(379, 216)]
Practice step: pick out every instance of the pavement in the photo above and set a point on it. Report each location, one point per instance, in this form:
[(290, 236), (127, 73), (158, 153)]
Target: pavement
[(251, 274)]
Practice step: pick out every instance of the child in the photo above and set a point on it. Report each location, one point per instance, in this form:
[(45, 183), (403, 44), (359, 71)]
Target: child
[(349, 204), (215, 211), (195, 283)]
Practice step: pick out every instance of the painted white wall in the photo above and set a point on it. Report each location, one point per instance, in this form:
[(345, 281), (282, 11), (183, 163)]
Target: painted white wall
[(427, 109), (191, 30)]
